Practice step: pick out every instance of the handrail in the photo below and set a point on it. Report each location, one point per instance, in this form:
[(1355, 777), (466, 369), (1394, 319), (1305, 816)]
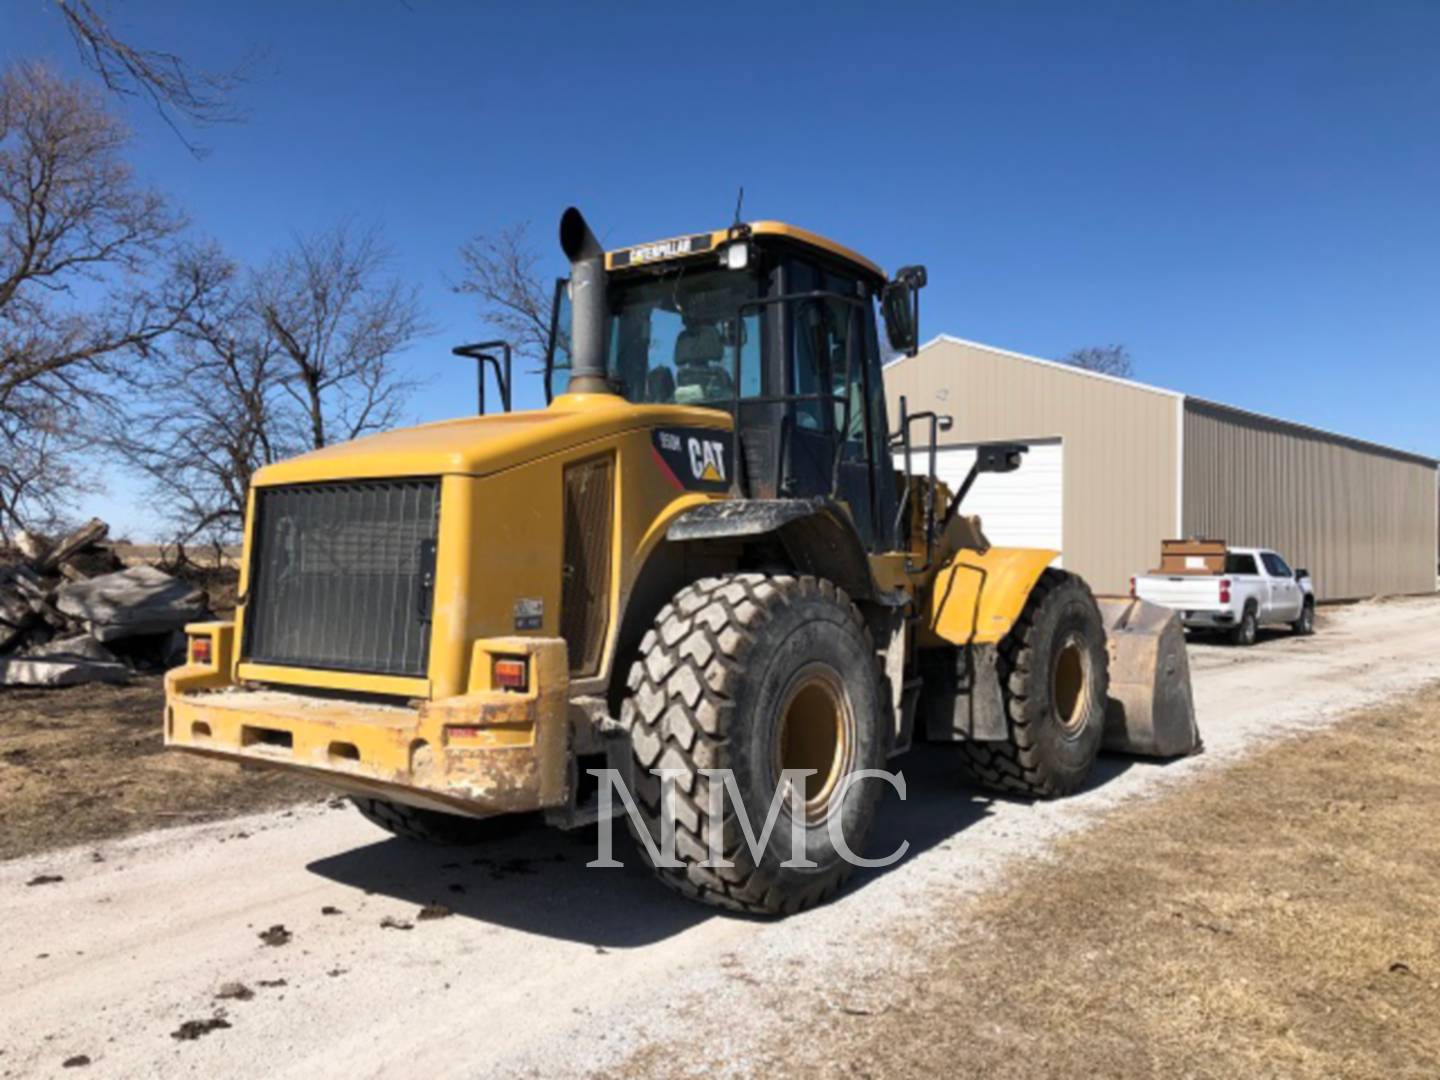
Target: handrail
[(479, 352)]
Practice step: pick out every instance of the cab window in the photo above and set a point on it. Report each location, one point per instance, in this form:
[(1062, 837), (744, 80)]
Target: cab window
[(1240, 564), (1274, 565), (672, 338), (821, 333)]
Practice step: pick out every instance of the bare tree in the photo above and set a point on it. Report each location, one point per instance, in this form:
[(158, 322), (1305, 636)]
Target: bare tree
[(212, 411), (293, 357), (500, 270), (163, 78), (338, 318), (1104, 359), (79, 302)]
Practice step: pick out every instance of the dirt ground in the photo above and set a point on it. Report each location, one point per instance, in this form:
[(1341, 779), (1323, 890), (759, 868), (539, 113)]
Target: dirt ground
[(965, 956), (86, 763), (1277, 918)]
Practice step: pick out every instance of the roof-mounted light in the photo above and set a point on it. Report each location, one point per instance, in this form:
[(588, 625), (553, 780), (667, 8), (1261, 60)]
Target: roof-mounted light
[(735, 256)]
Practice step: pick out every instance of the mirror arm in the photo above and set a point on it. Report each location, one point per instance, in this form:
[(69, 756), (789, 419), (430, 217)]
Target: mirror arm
[(989, 457), (959, 496)]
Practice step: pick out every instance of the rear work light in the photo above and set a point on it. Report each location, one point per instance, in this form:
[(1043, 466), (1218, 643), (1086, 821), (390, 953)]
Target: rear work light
[(511, 673), (1224, 590), (200, 650)]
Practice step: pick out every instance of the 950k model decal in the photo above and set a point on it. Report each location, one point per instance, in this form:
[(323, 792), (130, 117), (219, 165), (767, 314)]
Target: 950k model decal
[(697, 459)]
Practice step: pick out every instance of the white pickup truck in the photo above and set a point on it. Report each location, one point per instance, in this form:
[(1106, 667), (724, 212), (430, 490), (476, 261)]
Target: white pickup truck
[(1257, 589)]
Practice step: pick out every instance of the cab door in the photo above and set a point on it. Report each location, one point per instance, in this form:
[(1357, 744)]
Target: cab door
[(833, 354), (1286, 598)]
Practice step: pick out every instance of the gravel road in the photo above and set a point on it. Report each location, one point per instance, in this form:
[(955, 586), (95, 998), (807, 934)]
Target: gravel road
[(541, 966)]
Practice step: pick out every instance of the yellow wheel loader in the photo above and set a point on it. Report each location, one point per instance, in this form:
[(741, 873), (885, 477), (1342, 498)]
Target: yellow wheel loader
[(709, 565)]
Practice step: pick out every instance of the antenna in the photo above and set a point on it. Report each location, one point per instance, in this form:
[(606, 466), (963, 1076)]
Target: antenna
[(739, 202)]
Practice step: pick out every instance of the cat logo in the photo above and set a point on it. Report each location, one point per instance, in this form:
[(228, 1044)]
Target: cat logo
[(694, 459), (707, 460)]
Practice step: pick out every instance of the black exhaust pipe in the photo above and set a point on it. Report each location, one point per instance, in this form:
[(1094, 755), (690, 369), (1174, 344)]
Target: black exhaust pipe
[(587, 304)]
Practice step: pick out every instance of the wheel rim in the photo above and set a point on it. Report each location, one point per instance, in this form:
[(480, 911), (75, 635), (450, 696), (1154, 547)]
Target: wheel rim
[(816, 731), (1069, 681)]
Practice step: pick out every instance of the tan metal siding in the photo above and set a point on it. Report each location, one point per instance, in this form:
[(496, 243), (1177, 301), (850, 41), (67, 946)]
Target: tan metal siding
[(1120, 444), (1361, 519)]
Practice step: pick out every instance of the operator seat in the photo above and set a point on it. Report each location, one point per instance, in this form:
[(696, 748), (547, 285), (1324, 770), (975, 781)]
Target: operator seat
[(700, 373)]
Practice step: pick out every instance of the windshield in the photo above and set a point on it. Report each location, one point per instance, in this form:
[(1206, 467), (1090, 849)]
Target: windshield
[(672, 338)]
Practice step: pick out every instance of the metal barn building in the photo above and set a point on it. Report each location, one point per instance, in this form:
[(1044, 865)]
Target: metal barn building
[(1116, 466)]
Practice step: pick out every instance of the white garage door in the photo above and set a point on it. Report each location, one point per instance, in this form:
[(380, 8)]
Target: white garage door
[(1017, 509)]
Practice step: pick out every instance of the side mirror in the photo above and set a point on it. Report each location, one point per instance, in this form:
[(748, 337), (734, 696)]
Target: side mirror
[(1301, 573), (900, 306), (999, 457)]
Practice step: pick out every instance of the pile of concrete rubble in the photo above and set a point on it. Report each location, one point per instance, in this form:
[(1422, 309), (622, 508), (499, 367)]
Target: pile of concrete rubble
[(71, 612)]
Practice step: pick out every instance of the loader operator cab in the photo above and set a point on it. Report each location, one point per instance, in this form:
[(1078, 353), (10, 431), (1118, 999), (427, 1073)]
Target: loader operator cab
[(776, 326)]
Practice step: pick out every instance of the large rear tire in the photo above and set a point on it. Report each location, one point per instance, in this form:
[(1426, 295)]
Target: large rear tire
[(755, 673), (434, 827), (1054, 675), (1305, 625)]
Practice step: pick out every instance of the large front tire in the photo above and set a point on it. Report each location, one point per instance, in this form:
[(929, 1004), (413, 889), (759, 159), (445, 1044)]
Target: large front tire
[(1054, 676), (755, 673)]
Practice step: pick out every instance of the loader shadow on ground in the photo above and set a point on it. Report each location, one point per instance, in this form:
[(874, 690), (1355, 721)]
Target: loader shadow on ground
[(537, 880)]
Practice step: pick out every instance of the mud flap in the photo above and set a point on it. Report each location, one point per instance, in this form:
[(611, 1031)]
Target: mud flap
[(969, 704), (1150, 710)]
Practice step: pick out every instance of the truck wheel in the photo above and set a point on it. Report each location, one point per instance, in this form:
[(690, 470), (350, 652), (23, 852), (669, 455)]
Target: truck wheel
[(1054, 674), (755, 673), (1245, 630), (433, 827), (1305, 625)]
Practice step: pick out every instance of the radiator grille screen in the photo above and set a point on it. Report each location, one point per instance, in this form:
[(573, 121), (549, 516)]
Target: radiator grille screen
[(342, 575), (585, 601)]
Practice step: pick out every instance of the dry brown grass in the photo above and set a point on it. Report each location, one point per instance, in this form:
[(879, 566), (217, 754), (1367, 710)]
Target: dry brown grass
[(1279, 918), (82, 764)]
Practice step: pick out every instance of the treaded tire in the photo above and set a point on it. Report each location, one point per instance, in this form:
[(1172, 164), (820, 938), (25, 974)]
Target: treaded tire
[(1046, 756), (1305, 625), (712, 688), (434, 827), (1247, 629)]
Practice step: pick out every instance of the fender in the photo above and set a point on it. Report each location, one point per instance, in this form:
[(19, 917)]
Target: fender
[(817, 534), (977, 596)]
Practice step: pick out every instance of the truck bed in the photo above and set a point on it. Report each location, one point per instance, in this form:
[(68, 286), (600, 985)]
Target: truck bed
[(1184, 592)]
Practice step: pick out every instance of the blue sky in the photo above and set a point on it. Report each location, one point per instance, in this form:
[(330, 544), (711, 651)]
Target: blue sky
[(1247, 195)]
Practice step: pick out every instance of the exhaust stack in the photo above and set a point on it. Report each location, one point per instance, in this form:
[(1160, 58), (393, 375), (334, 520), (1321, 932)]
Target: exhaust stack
[(587, 304)]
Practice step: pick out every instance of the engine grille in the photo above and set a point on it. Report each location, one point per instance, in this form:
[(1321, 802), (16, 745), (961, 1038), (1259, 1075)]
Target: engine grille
[(342, 576)]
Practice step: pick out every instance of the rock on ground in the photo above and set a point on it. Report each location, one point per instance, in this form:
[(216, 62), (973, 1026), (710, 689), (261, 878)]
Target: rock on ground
[(67, 661), (59, 671), (92, 532), (140, 600)]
